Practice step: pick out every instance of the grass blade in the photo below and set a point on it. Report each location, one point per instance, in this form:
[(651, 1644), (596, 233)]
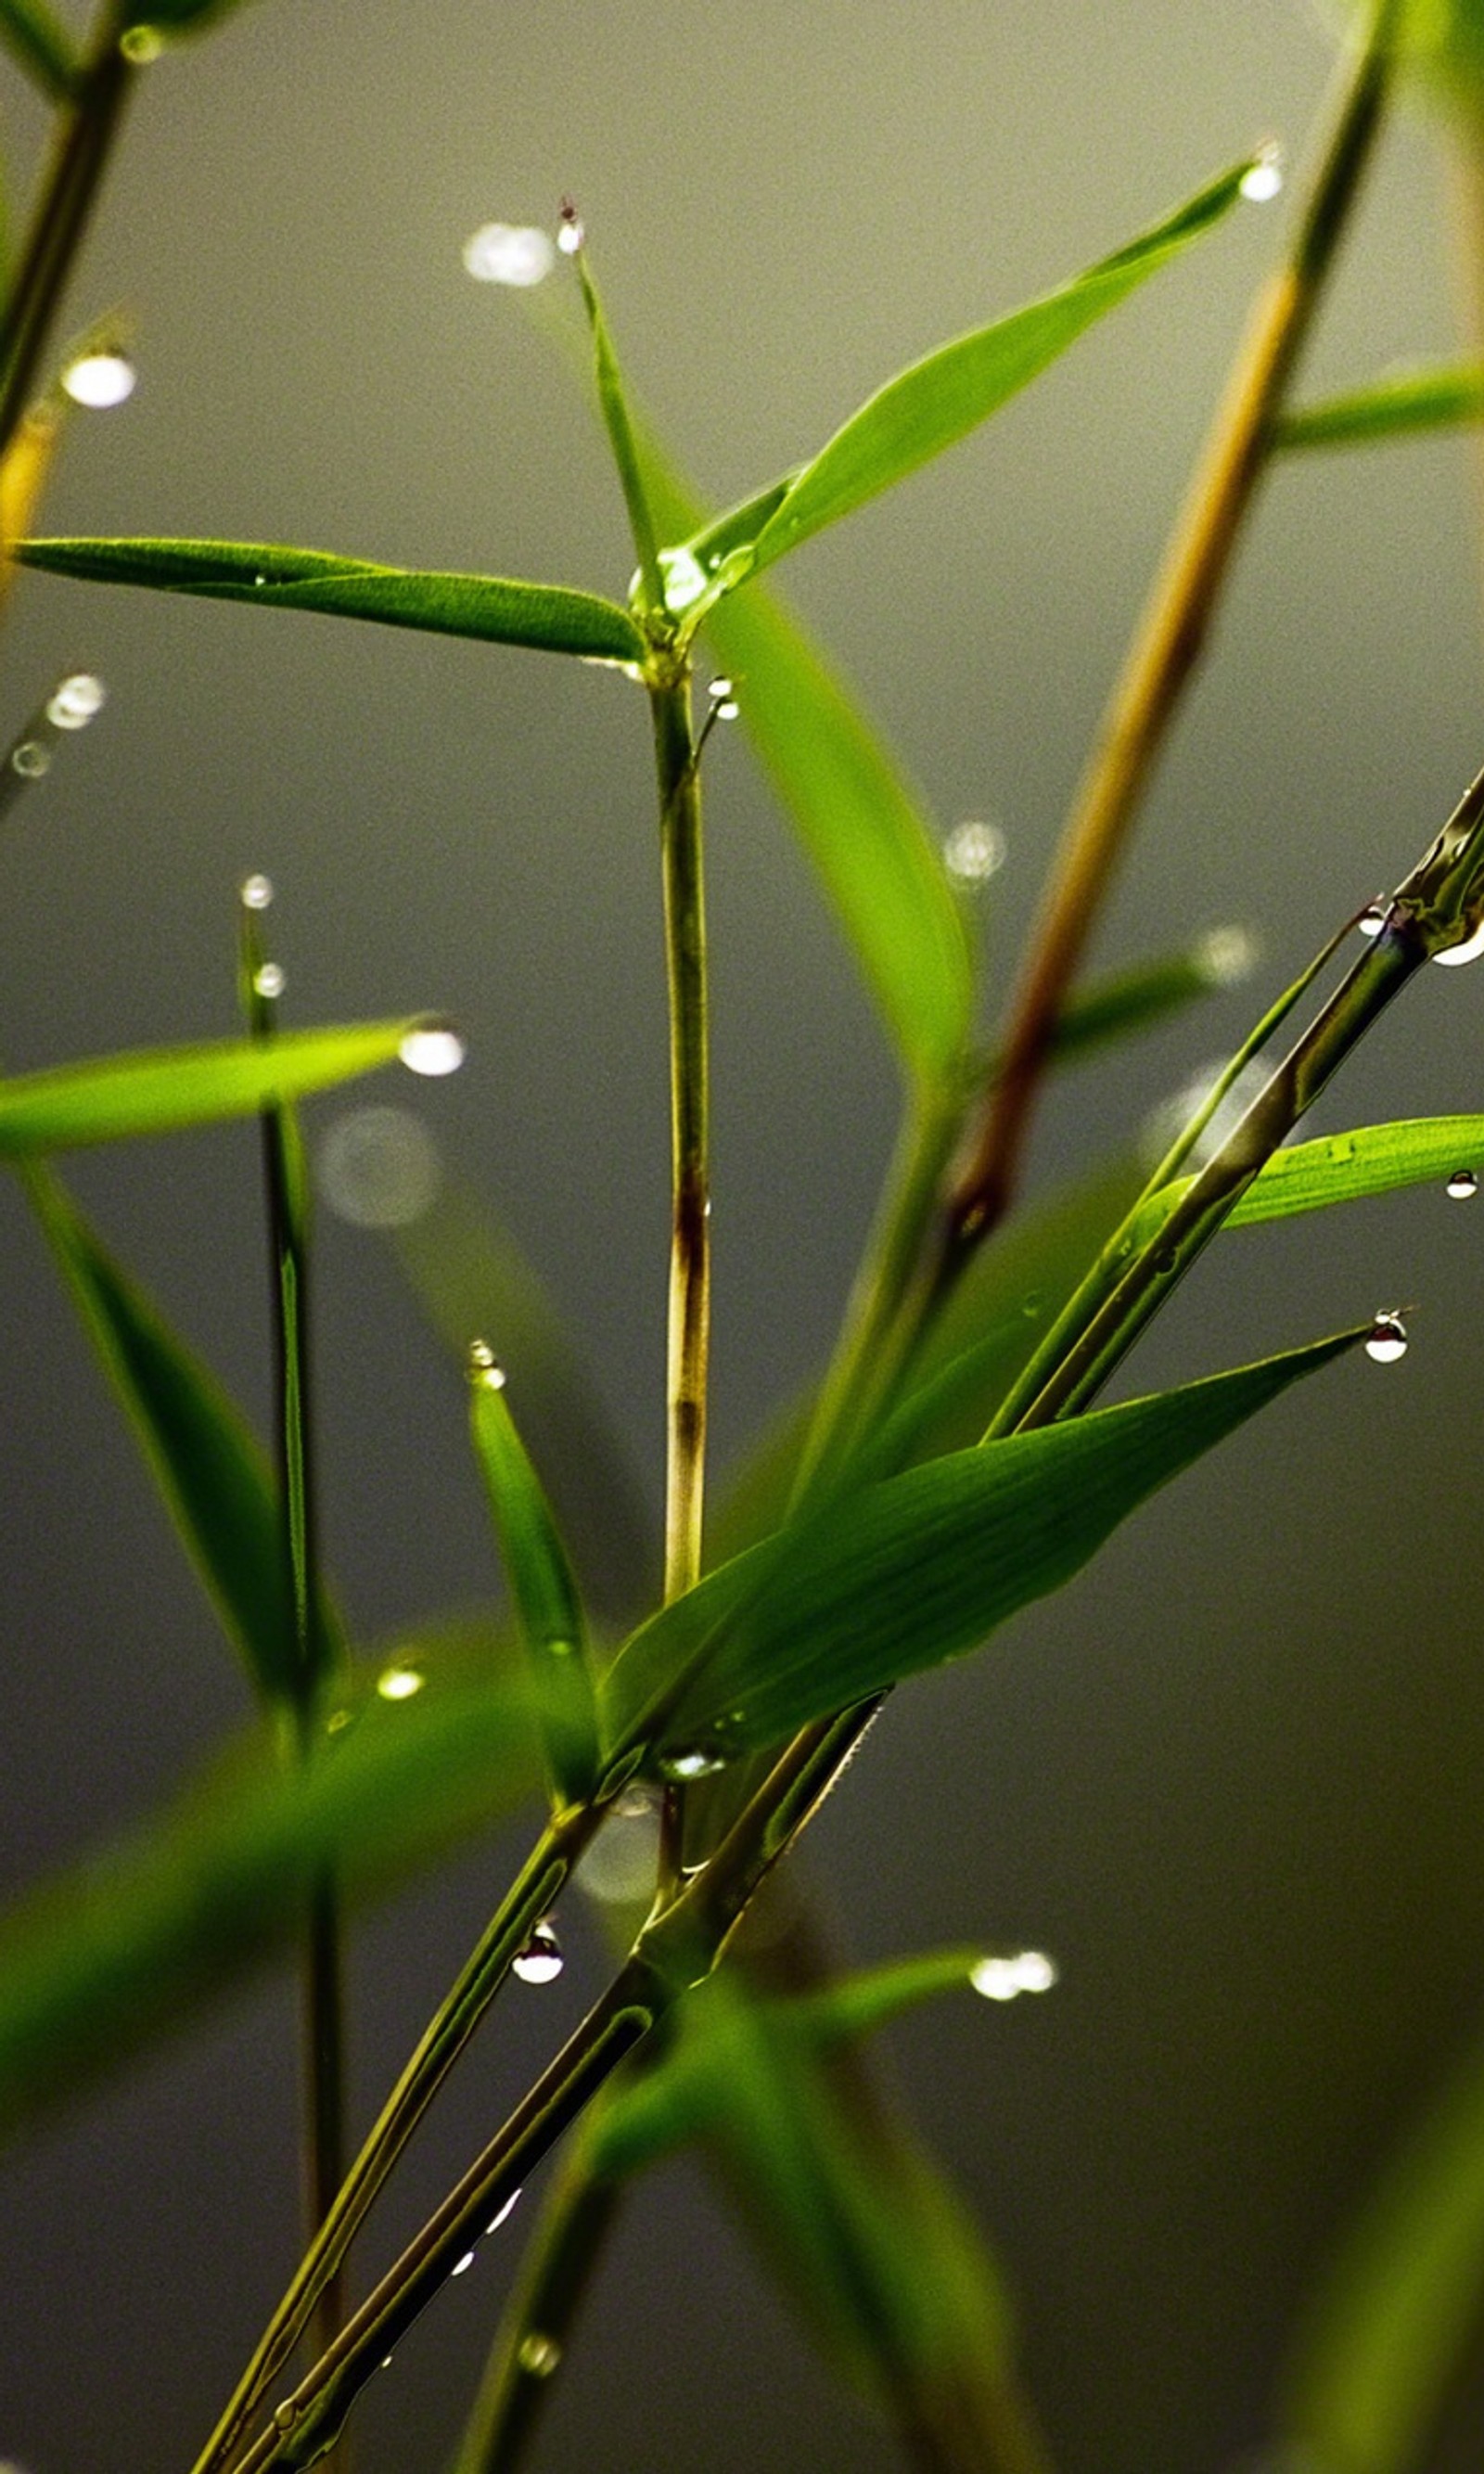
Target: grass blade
[(1401, 405), (1341, 1168), (161, 1090), (548, 617), (38, 43)]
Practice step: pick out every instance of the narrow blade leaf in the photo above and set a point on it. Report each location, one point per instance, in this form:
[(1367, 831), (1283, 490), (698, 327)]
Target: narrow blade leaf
[(939, 400), (160, 1090), (1404, 404), (1341, 1168), (918, 1569), (548, 618), (38, 43)]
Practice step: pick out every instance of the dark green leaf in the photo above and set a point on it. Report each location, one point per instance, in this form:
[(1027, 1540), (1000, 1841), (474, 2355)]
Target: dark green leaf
[(1127, 1001), (918, 1569), (1343, 1168), (939, 400), (551, 617), (117, 1951), (37, 41), (159, 1090), (1400, 406)]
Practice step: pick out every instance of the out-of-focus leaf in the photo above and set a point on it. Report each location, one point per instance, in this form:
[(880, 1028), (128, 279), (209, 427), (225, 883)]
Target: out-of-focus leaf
[(1128, 1002), (548, 618), (1397, 2309), (1442, 39), (40, 43), (1341, 1168), (160, 1090), (542, 1587), (189, 16), (208, 1465), (121, 1949), (939, 400), (917, 1570), (1400, 406)]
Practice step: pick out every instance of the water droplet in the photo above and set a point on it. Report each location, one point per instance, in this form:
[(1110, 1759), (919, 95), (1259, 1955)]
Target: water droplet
[(1372, 920), (1461, 1185), (75, 701), (269, 980), (541, 1961), (1004, 1976), (506, 2209), (1264, 179), (337, 1721), (459, 2265), (399, 1683), (719, 690), (539, 2355), (379, 1168), (1037, 1972), (141, 44), (973, 852), (259, 579), (387, 2359), (484, 1366), (99, 380), (1388, 1340), (682, 1767), (1228, 956), (256, 892), (516, 254), (1469, 950), (31, 760), (569, 238), (617, 1868), (683, 577), (434, 1048), (285, 2414)]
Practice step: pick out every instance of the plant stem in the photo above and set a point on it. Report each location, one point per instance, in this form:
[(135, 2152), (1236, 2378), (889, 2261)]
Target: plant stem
[(80, 159), (1168, 643)]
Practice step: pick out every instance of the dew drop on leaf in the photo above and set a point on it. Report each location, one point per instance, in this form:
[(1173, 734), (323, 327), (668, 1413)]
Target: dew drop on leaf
[(99, 380), (256, 892), (269, 980), (1372, 921), (541, 1961), (75, 700), (539, 2355), (1388, 1339), (1461, 1185), (1469, 950), (1264, 180), (432, 1049)]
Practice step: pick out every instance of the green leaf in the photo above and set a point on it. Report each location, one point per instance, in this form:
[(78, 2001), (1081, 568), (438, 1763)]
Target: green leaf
[(938, 401), (613, 404), (123, 1947), (38, 43), (1397, 2314), (1400, 406), (542, 1583), (915, 1571), (1341, 1168), (211, 1469), (1128, 1002), (551, 617), (159, 1090)]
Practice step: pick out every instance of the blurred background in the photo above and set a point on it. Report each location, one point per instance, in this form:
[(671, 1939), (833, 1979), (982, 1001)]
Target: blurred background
[(1231, 1779)]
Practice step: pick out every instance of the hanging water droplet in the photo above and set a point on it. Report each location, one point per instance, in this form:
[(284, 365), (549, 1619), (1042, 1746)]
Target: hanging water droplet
[(99, 380), (1461, 1185), (515, 253), (683, 577), (682, 1767), (541, 1961), (719, 690), (1388, 1339), (140, 45), (399, 1683), (31, 760), (974, 851), (256, 892), (539, 2355), (75, 701), (508, 2209), (432, 1049), (459, 2265), (387, 2359), (285, 2414), (379, 1168), (484, 1366), (259, 579), (1004, 1976), (1468, 952), (569, 238), (269, 980), (1372, 921), (1264, 179), (337, 1721)]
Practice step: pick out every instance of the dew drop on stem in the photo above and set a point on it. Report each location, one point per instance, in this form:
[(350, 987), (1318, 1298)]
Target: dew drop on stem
[(541, 1960), (460, 2266), (1463, 1185), (502, 2213), (99, 380), (1263, 181), (256, 892), (539, 2355), (269, 980), (434, 1048), (1387, 1340), (1372, 920), (1469, 950)]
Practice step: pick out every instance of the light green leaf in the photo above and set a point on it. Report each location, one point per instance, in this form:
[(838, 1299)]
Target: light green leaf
[(209, 1467), (121, 1949), (542, 1586), (917, 1570), (1400, 406), (1341, 1168), (550, 617), (1398, 2312), (939, 400), (160, 1090), (40, 43)]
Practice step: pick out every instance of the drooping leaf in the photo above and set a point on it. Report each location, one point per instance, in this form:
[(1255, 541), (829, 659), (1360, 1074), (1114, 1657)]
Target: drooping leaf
[(40, 43), (160, 1090), (1344, 1168), (939, 400), (1397, 2311), (211, 1469), (1404, 404), (543, 1588), (548, 618), (119, 1950), (917, 1570), (1128, 1002)]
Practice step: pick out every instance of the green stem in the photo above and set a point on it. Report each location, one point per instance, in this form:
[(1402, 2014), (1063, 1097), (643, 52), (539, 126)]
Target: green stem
[(70, 193)]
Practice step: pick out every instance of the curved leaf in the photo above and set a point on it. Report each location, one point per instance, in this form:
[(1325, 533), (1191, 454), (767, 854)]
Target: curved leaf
[(915, 1571), (1341, 1168), (548, 618), (1401, 405), (160, 1090)]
